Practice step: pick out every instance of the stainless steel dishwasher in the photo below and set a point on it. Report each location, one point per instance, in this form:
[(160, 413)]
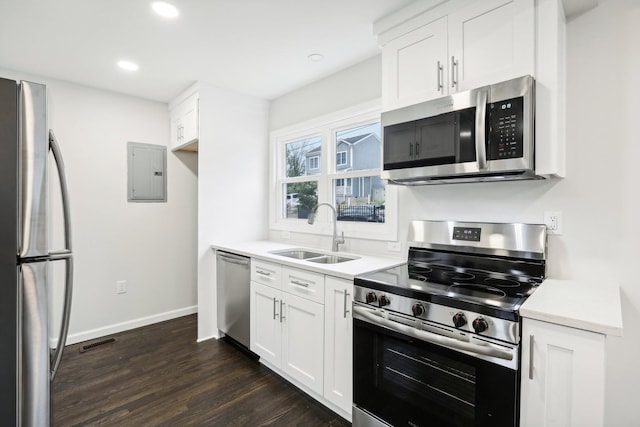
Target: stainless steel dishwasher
[(233, 277)]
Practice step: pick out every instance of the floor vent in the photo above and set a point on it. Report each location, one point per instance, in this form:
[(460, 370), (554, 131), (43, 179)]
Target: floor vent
[(96, 344)]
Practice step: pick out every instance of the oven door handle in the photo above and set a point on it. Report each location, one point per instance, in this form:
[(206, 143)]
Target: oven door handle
[(487, 349)]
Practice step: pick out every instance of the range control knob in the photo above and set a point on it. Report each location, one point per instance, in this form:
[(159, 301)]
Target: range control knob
[(371, 297), (459, 320), (417, 309), (480, 325), (383, 300)]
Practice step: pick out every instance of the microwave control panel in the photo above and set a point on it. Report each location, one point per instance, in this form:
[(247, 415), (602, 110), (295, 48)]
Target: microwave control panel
[(505, 129)]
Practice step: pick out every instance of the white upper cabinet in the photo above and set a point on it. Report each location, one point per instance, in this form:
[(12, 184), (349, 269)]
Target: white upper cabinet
[(185, 123), (414, 65), (491, 41), (457, 46)]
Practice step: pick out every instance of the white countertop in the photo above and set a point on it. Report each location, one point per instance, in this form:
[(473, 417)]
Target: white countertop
[(589, 305), (346, 270)]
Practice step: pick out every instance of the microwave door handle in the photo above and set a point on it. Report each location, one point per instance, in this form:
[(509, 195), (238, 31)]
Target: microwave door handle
[(481, 117)]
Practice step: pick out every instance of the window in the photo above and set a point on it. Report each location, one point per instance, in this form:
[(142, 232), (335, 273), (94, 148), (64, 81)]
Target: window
[(302, 158), (314, 162), (303, 176)]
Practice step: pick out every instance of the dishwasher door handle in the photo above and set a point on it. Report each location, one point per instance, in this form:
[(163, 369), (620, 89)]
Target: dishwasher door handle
[(233, 260)]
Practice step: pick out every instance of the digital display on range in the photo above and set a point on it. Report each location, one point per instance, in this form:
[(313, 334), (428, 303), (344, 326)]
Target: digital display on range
[(470, 234)]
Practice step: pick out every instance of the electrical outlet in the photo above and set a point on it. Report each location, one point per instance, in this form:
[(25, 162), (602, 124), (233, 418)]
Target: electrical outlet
[(394, 246), (121, 286), (553, 221), (286, 235)]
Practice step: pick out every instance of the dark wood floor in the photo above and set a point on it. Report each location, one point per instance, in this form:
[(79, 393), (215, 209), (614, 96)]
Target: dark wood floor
[(159, 376)]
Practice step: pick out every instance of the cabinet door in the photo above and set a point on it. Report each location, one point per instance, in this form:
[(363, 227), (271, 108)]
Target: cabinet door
[(413, 66), (185, 122), (176, 129), (267, 273), (266, 335), (491, 41), (190, 120), (303, 283), (338, 344), (562, 376), (302, 341)]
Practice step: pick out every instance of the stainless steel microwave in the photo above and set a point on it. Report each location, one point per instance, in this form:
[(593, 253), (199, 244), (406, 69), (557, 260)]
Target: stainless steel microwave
[(484, 134)]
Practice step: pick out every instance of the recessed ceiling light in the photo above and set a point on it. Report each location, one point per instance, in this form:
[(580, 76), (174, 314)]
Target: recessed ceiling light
[(128, 65), (164, 9), (316, 57)]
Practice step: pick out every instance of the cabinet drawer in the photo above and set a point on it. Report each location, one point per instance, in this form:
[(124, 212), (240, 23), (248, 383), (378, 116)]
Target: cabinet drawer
[(267, 273), (303, 283)]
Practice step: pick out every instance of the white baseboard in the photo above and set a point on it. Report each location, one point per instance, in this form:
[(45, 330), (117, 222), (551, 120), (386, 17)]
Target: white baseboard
[(125, 326)]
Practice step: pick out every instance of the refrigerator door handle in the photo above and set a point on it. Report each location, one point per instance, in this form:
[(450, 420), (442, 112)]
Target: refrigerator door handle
[(64, 190), (56, 354), (65, 254)]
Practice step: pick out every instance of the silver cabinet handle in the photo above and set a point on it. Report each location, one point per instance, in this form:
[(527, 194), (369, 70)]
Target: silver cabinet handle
[(531, 342), (275, 301), (481, 115), (417, 148), (345, 311), (264, 273), (454, 72), (281, 310), (303, 284), (439, 71), (411, 149)]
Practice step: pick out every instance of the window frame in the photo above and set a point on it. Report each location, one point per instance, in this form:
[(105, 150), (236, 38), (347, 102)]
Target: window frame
[(326, 127), (317, 163), (339, 153)]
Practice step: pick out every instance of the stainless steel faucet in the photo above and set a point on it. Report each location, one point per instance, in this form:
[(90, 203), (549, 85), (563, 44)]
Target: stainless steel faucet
[(336, 240)]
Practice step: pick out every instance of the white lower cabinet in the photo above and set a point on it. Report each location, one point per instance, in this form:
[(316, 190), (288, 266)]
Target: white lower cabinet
[(563, 375), (338, 342), (265, 328), (301, 326), (287, 332)]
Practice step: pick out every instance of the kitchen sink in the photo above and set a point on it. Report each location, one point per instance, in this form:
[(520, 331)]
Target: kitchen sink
[(297, 253), (317, 257), (330, 259)]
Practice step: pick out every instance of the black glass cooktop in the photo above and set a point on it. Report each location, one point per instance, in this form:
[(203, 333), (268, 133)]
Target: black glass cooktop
[(493, 285)]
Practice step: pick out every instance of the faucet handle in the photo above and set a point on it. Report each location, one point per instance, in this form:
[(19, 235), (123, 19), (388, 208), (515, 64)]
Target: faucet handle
[(340, 239)]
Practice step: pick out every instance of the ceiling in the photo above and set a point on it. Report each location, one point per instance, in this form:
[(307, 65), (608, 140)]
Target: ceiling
[(257, 47)]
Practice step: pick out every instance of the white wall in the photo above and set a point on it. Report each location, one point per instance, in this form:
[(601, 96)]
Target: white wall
[(232, 189), (599, 199), (150, 245)]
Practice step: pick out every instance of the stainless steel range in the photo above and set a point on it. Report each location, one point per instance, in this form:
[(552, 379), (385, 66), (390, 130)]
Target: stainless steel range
[(437, 341)]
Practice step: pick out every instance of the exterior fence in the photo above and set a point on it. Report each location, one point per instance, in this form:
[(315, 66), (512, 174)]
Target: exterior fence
[(363, 213)]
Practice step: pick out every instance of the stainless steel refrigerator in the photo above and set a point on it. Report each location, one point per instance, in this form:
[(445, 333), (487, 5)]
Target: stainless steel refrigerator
[(27, 364)]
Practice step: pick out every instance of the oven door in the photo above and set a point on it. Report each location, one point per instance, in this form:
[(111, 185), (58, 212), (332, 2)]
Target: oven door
[(402, 380)]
